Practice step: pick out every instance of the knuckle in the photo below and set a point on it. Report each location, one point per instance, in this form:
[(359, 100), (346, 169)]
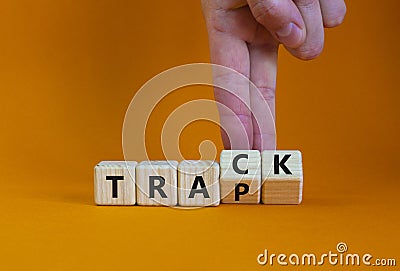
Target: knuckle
[(268, 93)]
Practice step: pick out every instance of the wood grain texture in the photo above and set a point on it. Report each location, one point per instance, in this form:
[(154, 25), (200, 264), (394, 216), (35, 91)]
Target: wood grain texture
[(280, 187), (168, 171), (230, 178), (103, 191), (209, 172)]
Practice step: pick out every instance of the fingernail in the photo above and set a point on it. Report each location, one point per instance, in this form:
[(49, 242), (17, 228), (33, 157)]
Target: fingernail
[(290, 35)]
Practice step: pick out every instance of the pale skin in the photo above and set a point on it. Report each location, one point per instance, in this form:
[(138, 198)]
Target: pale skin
[(244, 35)]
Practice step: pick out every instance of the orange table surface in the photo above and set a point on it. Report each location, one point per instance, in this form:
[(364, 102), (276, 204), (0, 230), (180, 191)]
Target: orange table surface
[(57, 227)]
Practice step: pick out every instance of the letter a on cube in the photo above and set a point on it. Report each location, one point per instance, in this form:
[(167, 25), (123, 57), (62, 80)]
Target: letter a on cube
[(114, 183), (198, 183), (157, 183), (282, 175)]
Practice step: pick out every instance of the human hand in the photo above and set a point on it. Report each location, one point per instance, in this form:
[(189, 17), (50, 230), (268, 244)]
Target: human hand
[(245, 36)]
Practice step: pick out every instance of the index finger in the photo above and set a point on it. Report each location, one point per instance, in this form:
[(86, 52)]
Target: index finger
[(232, 52)]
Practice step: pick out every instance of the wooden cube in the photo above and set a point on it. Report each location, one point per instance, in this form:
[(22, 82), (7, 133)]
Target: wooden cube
[(198, 183), (240, 179), (157, 183), (282, 176), (114, 183)]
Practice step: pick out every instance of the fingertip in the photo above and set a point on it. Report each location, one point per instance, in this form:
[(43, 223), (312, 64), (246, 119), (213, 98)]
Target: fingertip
[(225, 139), (264, 142), (308, 53), (334, 22), (333, 12)]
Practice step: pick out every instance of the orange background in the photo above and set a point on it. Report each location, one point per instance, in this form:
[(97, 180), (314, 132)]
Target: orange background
[(68, 70)]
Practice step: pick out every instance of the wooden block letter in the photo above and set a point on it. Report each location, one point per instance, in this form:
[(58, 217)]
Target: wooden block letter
[(157, 183), (114, 183), (198, 183), (240, 179), (282, 176)]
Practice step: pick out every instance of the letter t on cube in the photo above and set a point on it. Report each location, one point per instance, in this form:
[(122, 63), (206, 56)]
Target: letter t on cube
[(114, 183)]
